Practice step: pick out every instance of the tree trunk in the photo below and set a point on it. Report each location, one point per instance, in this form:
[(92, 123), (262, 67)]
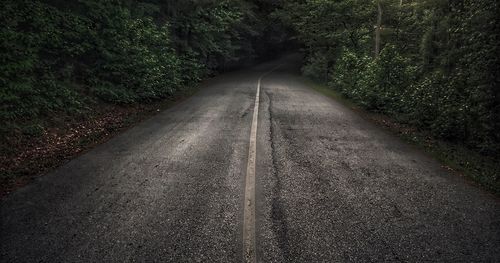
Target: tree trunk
[(377, 30)]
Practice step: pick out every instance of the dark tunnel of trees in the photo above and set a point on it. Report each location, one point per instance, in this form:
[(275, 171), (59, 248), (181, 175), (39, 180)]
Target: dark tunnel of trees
[(432, 64)]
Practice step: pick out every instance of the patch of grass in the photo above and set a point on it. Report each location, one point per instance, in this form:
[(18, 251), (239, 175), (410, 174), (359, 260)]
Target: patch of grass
[(483, 170)]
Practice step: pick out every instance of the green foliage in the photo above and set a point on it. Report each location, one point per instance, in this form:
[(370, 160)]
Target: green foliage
[(379, 84), (438, 68), (62, 57), (317, 67), (29, 73)]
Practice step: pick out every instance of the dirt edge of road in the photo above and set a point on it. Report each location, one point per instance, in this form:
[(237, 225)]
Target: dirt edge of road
[(30, 157), (474, 168)]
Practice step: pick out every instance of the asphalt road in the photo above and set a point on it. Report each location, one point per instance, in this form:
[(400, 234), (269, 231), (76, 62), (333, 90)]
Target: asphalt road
[(330, 187)]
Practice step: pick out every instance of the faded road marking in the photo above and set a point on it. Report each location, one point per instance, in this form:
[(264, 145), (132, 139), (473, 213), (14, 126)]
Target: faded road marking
[(249, 248)]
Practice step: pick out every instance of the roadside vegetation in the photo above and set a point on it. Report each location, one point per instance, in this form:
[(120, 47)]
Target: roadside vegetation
[(65, 63), (433, 66), (72, 72)]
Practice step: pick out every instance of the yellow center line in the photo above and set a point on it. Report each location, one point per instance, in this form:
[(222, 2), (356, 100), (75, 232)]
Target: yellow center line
[(249, 248)]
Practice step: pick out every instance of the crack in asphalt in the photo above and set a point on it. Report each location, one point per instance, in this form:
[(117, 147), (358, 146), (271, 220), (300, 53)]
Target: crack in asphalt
[(332, 187), (280, 225)]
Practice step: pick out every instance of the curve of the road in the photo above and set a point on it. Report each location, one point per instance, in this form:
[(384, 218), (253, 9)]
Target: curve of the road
[(329, 187)]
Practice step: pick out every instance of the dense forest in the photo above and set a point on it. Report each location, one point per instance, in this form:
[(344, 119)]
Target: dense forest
[(65, 57), (434, 64), (431, 64)]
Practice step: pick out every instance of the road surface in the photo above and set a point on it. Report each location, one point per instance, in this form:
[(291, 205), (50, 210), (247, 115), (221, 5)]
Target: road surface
[(329, 187)]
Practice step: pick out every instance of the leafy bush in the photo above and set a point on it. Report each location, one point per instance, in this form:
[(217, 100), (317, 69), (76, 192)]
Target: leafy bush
[(29, 73), (379, 84), (437, 69), (64, 56)]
